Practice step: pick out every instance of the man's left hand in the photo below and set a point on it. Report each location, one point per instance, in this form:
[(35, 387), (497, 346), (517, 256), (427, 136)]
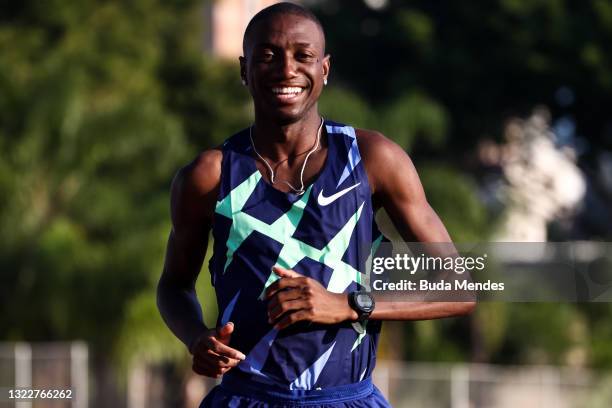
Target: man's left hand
[(294, 298)]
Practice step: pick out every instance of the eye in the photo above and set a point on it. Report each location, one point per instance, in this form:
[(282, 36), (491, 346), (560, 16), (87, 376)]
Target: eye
[(304, 56), (264, 56)]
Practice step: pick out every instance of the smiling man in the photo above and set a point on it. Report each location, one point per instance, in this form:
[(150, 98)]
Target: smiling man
[(291, 203)]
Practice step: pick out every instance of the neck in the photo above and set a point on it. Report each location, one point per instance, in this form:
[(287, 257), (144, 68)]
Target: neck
[(278, 141)]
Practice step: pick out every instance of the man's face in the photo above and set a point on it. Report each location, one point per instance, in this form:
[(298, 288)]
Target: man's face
[(284, 66)]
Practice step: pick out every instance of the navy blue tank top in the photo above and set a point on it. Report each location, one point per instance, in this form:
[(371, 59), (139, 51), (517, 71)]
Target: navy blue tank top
[(328, 234)]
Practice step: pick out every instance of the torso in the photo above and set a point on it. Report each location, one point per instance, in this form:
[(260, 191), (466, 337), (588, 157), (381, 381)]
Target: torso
[(327, 234)]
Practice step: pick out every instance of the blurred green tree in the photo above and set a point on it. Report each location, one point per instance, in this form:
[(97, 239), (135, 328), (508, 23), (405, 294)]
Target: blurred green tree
[(100, 103), (480, 62)]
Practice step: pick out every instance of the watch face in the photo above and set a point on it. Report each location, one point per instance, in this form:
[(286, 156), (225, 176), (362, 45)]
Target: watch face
[(364, 301)]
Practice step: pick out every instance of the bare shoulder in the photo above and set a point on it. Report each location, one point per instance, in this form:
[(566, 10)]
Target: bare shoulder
[(374, 144), (203, 173), (195, 187), (381, 156)]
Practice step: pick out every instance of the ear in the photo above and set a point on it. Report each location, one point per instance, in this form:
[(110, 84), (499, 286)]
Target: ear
[(243, 70), (326, 65)]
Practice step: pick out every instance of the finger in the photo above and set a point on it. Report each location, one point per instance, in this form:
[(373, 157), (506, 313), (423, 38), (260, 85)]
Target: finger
[(284, 283), (290, 318), (212, 358), (224, 332), (207, 353), (289, 306), (213, 368), (221, 360), (225, 350), (232, 362), (284, 272), (216, 364), (284, 296)]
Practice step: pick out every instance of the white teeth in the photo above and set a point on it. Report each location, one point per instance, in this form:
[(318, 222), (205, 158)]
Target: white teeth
[(287, 90)]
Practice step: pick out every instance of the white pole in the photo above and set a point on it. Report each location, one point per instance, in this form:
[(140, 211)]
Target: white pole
[(137, 386), (23, 370), (79, 374), (460, 387), (382, 378)]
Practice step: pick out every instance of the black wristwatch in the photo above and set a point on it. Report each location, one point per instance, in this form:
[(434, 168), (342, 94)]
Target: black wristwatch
[(363, 303)]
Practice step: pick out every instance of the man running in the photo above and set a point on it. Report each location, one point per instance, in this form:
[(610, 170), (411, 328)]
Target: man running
[(291, 203)]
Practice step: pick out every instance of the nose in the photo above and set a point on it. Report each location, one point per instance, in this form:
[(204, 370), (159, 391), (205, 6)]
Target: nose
[(288, 66)]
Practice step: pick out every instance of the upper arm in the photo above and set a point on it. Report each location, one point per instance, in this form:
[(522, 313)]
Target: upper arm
[(192, 203), (397, 188)]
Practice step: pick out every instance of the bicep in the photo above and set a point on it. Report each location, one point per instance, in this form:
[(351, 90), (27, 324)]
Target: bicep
[(192, 205)]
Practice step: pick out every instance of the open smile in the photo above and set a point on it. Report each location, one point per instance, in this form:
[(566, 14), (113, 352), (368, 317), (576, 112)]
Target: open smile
[(287, 93)]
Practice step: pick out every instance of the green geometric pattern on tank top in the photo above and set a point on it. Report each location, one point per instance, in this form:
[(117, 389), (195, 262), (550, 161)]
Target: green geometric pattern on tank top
[(282, 230)]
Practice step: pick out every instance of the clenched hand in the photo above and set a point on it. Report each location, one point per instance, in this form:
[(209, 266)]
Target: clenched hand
[(212, 356), (294, 298)]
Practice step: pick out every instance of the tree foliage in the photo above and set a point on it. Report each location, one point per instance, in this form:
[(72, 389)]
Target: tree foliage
[(93, 124), (480, 62), (102, 101)]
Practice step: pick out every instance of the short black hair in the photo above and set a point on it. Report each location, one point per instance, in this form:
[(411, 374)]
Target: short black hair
[(280, 9)]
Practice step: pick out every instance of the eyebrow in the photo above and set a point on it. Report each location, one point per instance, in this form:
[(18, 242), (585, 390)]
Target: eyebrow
[(270, 45)]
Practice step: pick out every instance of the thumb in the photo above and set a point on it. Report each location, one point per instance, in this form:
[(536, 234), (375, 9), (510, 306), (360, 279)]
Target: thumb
[(225, 332), (285, 273)]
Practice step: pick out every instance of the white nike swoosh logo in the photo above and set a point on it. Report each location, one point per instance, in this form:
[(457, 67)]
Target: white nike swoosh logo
[(323, 201)]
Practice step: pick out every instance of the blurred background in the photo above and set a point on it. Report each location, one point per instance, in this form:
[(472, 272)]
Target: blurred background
[(504, 106)]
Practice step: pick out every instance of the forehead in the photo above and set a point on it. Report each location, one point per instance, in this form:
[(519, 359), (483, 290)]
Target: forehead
[(285, 30)]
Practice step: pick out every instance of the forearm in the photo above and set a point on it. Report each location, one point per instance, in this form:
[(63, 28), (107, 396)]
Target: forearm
[(420, 310), (180, 310)]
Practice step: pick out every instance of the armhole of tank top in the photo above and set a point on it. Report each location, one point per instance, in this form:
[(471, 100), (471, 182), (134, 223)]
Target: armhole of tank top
[(374, 212), (367, 179)]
